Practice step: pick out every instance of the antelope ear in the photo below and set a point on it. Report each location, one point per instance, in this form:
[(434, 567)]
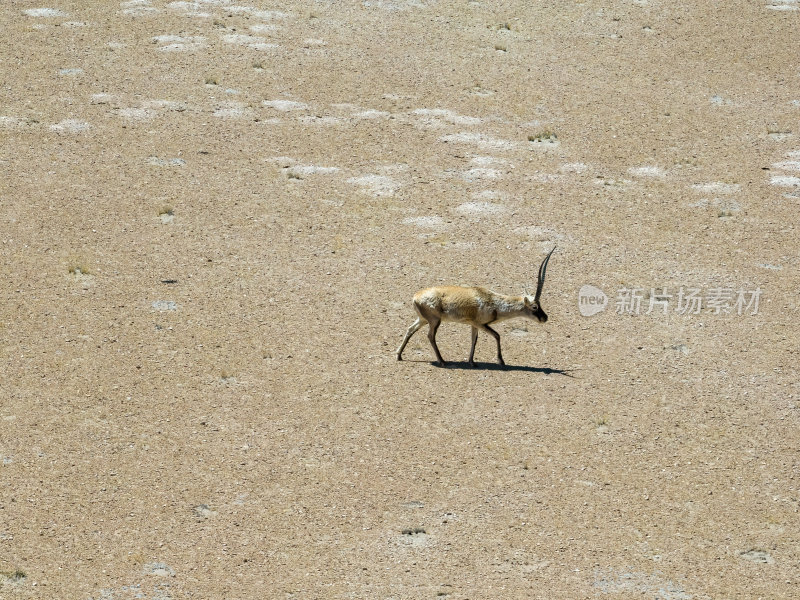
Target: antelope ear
[(526, 300)]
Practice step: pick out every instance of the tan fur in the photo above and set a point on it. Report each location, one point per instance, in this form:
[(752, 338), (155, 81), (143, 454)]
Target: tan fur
[(475, 306), (469, 304)]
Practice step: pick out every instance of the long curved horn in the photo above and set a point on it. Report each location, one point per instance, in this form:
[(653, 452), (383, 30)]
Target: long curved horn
[(542, 269)]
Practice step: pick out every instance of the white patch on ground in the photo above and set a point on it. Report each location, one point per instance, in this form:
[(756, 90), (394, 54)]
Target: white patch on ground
[(309, 42), (436, 117), (546, 177), (460, 246), (160, 569), (358, 112), (611, 182), (645, 584), (757, 556), (482, 170), (787, 165), (372, 114), (480, 208), (285, 105), (266, 15), (74, 71), (779, 136), (263, 28), (724, 205), (231, 110), (433, 222), (376, 185), (242, 38), (394, 169), (481, 173), (573, 168), (486, 161), (71, 126), (783, 5), (230, 8), (304, 170), (791, 165), (177, 43), (395, 5), (284, 161), (164, 305), (720, 100), (173, 48), (137, 8), (481, 140), (254, 42), (166, 162), (647, 171), (85, 279), (204, 511), (44, 12), (480, 91), (717, 187), (101, 98), (12, 122), (191, 9), (784, 180), (322, 120), (137, 113)]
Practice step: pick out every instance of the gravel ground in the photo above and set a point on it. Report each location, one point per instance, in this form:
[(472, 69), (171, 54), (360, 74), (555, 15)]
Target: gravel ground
[(214, 217)]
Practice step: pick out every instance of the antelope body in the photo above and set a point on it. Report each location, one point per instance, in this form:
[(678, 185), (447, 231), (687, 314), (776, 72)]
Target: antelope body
[(475, 306)]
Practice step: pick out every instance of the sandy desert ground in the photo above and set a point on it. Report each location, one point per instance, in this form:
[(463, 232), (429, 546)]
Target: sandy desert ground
[(215, 214)]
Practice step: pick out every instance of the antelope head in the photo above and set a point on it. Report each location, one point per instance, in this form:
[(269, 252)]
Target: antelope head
[(532, 306)]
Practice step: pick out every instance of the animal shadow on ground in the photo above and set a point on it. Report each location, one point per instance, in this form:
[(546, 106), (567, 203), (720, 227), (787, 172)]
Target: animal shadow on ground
[(491, 366)]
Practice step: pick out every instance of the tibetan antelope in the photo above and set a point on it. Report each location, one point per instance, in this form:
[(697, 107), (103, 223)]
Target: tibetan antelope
[(475, 306)]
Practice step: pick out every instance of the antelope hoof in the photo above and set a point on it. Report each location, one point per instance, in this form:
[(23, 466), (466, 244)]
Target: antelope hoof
[(501, 362), (440, 363), (472, 365), (399, 357)]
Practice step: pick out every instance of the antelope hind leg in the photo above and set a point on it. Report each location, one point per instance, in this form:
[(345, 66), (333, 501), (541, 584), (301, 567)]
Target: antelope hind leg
[(415, 326), (472, 349), (432, 327)]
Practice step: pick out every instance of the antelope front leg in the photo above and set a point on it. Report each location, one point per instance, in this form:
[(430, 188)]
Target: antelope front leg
[(496, 335)]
